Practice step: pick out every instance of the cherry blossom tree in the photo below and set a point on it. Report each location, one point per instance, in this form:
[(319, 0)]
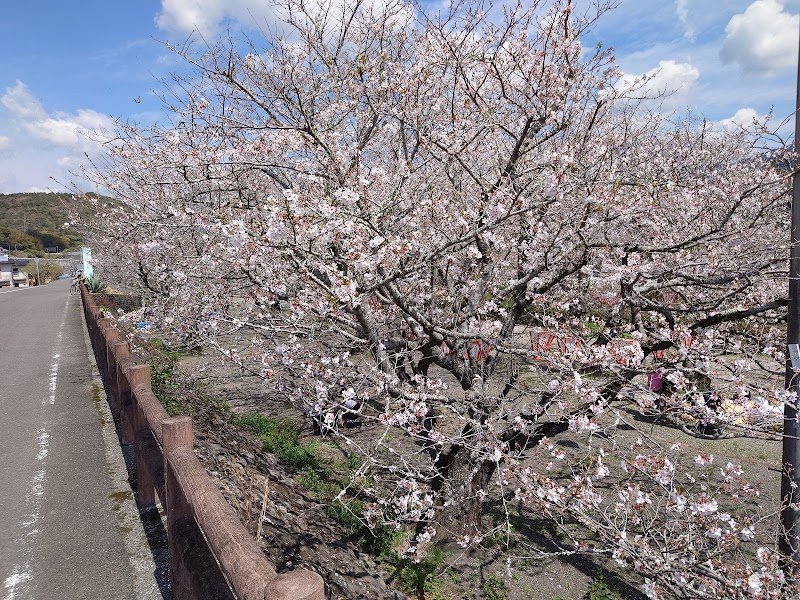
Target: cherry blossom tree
[(455, 231)]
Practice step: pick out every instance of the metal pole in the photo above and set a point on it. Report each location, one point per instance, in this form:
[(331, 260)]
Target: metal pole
[(789, 542)]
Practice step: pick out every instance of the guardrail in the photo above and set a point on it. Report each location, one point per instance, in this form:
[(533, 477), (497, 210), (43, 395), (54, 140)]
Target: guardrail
[(211, 553)]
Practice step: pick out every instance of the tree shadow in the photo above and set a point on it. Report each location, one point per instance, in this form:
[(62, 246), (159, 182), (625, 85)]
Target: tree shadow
[(543, 535)]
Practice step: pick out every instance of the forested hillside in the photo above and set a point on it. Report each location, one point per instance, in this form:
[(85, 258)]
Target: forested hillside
[(31, 222)]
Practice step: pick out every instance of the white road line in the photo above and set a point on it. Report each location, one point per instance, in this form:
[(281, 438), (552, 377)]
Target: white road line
[(44, 438), (53, 376), (9, 291), (12, 581), (54, 373), (21, 574)]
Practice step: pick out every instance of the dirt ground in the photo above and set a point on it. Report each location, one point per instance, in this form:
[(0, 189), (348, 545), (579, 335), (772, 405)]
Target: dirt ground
[(514, 572)]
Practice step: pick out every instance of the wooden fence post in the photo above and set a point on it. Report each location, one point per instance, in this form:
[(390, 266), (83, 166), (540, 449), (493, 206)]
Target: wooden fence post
[(112, 337), (129, 410), (134, 424), (211, 554), (103, 324), (176, 432), (122, 352)]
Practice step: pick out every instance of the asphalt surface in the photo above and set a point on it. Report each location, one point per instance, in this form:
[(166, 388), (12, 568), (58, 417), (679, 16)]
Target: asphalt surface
[(68, 526)]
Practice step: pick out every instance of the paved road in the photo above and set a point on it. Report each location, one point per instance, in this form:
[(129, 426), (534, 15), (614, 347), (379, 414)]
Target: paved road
[(65, 508)]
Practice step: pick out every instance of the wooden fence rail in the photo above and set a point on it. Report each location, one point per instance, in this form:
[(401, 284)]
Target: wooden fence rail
[(211, 553)]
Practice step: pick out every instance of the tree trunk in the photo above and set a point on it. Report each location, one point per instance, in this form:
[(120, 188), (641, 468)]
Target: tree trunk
[(464, 481)]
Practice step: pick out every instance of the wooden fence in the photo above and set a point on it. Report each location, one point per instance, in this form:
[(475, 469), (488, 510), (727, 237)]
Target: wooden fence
[(211, 553)]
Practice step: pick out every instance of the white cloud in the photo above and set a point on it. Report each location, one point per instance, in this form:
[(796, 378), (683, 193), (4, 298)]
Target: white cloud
[(207, 16), (39, 146), (763, 39), (743, 119), (62, 129), (670, 84), (682, 9), (19, 101), (185, 16)]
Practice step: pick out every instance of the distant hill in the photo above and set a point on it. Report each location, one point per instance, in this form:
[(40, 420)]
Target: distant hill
[(32, 222)]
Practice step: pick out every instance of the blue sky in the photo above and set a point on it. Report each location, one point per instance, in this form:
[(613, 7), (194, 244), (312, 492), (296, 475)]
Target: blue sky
[(70, 67)]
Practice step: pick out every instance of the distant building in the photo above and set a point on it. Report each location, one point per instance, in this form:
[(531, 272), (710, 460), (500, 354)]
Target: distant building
[(10, 275)]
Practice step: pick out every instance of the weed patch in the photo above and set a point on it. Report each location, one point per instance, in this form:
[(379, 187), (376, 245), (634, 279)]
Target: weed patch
[(420, 578), (494, 587), (162, 378), (281, 437), (324, 478), (599, 589)]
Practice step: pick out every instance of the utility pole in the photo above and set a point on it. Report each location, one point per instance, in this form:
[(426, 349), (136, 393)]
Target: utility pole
[(789, 542)]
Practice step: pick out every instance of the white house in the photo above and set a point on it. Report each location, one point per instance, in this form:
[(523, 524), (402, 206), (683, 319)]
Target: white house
[(10, 275)]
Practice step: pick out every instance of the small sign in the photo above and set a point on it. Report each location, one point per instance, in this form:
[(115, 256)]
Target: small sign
[(86, 255), (794, 355)]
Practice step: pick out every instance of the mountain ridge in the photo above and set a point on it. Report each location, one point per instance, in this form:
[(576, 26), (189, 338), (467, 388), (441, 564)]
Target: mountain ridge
[(32, 222)]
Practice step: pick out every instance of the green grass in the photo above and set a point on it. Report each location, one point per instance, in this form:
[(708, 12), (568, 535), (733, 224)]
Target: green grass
[(323, 477), (162, 378), (599, 589), (495, 587), (347, 513), (503, 538), (594, 327), (420, 578), (162, 382), (171, 353), (281, 437)]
